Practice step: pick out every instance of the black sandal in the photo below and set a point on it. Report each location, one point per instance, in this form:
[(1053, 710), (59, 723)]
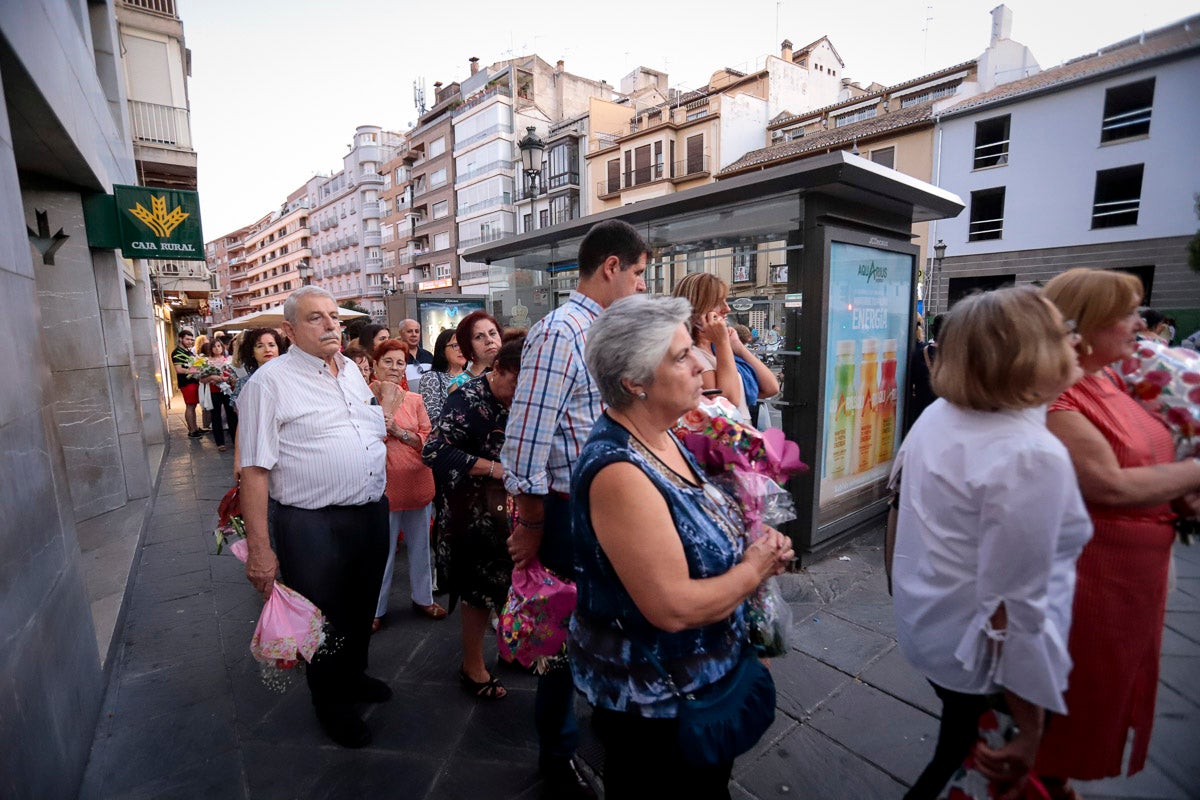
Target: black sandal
[(488, 690)]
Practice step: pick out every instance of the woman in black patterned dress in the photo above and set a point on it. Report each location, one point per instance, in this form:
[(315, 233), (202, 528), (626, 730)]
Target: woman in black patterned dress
[(464, 451)]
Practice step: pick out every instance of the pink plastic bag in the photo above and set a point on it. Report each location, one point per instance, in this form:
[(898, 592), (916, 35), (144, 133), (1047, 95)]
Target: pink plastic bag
[(536, 617)]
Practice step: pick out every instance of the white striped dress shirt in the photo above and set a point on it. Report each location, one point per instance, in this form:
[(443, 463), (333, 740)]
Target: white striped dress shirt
[(319, 436)]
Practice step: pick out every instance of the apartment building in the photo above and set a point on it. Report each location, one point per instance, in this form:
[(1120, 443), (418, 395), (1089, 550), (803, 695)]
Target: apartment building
[(272, 252), (499, 104), (1091, 163), (431, 257), (344, 212), (893, 126), (655, 140), (156, 64), (226, 259)]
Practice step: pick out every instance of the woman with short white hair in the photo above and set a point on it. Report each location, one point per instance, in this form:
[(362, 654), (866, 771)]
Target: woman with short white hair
[(661, 564)]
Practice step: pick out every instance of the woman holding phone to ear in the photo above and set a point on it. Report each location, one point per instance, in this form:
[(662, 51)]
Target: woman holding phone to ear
[(716, 344)]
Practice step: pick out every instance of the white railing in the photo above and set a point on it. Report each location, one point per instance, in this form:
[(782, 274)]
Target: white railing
[(165, 125)]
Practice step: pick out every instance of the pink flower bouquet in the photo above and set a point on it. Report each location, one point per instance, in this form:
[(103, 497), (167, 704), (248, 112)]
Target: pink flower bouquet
[(752, 466), (1166, 381)]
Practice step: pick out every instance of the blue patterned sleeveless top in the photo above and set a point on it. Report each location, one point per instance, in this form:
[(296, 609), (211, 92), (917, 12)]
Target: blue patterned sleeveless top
[(609, 636)]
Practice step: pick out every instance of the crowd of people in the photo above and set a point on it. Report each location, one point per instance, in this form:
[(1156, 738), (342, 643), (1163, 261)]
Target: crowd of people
[(1035, 506)]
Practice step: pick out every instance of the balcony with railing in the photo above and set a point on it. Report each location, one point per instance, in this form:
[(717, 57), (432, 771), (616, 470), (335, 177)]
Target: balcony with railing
[(690, 168), (482, 97), (164, 126), (164, 7), (370, 210)]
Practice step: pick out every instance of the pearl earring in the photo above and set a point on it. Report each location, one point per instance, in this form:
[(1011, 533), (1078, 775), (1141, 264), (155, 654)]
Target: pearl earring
[(641, 395)]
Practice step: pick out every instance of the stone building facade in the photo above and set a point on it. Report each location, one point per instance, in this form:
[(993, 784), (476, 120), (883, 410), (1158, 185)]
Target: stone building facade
[(81, 423)]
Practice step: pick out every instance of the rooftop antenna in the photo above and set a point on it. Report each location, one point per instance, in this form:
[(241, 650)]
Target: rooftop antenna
[(925, 30), (419, 95), (778, 3)]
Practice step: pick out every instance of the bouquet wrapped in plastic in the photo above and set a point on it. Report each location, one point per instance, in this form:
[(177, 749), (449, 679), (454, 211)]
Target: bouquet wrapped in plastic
[(220, 367), (1166, 381), (291, 630), (752, 466)]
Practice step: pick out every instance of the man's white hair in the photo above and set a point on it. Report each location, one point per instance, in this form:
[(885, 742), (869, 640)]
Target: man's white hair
[(292, 306)]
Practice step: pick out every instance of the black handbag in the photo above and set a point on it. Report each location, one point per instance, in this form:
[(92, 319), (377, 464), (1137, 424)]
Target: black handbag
[(724, 719), (495, 500)]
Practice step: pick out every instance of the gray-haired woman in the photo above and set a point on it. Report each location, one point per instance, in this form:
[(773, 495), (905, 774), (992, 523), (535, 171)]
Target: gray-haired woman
[(661, 564)]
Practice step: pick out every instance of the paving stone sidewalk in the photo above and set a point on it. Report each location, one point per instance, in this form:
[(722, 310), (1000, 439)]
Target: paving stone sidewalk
[(187, 716)]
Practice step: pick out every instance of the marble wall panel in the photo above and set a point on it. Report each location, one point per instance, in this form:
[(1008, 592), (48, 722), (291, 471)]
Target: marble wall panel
[(138, 481), (14, 244), (88, 433), (118, 344), (126, 409), (30, 501), (21, 356), (110, 281), (67, 289), (52, 690)]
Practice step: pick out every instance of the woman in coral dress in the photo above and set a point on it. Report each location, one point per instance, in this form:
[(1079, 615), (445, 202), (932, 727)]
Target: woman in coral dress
[(1124, 457)]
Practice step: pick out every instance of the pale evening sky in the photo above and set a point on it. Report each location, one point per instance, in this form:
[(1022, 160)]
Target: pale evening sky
[(278, 86)]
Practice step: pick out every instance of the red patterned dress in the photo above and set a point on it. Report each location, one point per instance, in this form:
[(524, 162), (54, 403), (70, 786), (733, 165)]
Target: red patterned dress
[(1120, 601)]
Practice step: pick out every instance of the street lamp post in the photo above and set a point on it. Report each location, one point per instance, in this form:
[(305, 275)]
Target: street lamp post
[(305, 271), (939, 252), (532, 150)]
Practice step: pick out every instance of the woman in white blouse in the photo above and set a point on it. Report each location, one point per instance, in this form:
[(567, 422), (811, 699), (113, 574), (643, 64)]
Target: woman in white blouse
[(990, 525)]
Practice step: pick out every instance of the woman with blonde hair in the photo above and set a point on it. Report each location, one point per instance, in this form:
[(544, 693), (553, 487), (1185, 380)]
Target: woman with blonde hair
[(990, 523), (1124, 457), (716, 344)]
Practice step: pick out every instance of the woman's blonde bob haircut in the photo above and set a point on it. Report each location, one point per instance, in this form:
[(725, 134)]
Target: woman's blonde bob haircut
[(1001, 350), (1094, 298), (704, 291)]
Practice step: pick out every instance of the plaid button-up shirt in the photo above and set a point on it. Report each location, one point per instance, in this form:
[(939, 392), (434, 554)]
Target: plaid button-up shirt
[(556, 402)]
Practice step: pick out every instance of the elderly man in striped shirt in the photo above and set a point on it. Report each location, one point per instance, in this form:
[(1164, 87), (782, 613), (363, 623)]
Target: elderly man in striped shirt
[(312, 446), (552, 414)]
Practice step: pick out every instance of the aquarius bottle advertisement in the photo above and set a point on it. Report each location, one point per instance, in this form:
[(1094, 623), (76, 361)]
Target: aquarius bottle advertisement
[(865, 372)]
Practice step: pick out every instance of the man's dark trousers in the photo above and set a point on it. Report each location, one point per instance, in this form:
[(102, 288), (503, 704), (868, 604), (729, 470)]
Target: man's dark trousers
[(554, 705), (335, 557)]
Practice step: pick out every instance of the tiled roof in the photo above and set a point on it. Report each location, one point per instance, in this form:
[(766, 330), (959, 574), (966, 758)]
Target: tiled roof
[(865, 129), (1177, 38), (783, 120)]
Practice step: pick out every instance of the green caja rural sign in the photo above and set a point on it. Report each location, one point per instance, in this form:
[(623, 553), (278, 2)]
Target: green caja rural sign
[(146, 222)]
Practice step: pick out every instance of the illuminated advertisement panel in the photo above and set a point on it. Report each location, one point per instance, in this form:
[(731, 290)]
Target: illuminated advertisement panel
[(436, 316), (865, 375)]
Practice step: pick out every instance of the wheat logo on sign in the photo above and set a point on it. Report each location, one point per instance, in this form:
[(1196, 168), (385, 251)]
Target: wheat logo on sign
[(158, 220)]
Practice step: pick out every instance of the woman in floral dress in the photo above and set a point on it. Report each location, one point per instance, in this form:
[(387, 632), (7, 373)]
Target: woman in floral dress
[(464, 450)]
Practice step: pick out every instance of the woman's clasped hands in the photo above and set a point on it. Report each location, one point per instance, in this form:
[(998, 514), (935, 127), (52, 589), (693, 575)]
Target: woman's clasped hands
[(770, 554)]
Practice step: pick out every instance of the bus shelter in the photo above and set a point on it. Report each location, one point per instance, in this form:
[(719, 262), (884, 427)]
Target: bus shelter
[(841, 227)]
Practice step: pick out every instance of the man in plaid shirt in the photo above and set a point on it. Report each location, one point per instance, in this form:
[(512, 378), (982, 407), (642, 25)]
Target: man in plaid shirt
[(555, 405)]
